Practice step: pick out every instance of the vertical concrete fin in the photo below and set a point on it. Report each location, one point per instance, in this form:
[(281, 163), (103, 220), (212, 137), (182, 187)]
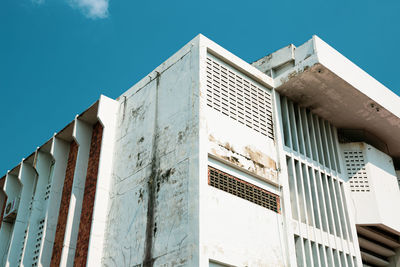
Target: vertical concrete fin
[(64, 205), (27, 176), (82, 133), (88, 197), (59, 152), (43, 163), (107, 116), (12, 188)]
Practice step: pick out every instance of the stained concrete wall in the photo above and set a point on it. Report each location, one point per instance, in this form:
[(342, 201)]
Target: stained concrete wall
[(234, 231), (163, 142), (152, 211)]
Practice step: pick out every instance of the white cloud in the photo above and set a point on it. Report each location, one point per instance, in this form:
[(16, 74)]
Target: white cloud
[(38, 2), (94, 9)]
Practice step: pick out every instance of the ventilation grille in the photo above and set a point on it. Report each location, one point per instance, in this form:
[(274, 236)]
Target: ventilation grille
[(242, 189), (22, 248), (38, 243), (47, 193), (355, 166), (239, 98)]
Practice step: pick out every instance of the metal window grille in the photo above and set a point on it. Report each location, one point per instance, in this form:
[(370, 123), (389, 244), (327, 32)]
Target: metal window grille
[(355, 166), (243, 189), (239, 98)]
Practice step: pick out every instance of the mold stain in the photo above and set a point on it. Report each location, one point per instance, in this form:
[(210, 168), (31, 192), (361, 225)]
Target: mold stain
[(182, 135), (148, 260)]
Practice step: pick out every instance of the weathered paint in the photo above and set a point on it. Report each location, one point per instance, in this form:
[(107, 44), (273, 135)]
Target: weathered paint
[(148, 216), (233, 231), (251, 159), (241, 146), (326, 82), (152, 204)]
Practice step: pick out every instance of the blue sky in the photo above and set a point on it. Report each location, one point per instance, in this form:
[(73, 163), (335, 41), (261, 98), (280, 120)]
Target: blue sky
[(58, 56)]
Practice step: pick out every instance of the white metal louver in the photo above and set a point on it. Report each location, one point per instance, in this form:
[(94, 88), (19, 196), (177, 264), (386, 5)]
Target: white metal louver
[(238, 97), (355, 166)]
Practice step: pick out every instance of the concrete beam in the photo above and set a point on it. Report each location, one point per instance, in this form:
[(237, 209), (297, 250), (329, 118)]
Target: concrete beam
[(371, 234), (373, 259), (378, 249)]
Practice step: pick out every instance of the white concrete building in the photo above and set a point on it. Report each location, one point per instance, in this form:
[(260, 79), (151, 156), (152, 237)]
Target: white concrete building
[(293, 160)]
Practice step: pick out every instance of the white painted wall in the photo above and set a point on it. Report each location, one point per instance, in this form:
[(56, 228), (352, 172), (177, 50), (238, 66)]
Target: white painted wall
[(376, 206), (238, 232), (384, 181)]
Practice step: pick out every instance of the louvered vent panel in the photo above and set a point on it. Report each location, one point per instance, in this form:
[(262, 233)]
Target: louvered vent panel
[(237, 97), (355, 166), (243, 189)]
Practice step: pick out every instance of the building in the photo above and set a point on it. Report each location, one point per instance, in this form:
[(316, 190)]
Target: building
[(292, 160)]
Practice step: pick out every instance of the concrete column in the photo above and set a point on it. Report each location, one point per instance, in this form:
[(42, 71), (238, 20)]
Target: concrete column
[(82, 134), (59, 152), (28, 177), (288, 237), (12, 189), (43, 166), (107, 115)]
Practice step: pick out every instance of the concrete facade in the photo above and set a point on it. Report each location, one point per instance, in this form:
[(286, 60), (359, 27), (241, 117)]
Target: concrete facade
[(212, 161)]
